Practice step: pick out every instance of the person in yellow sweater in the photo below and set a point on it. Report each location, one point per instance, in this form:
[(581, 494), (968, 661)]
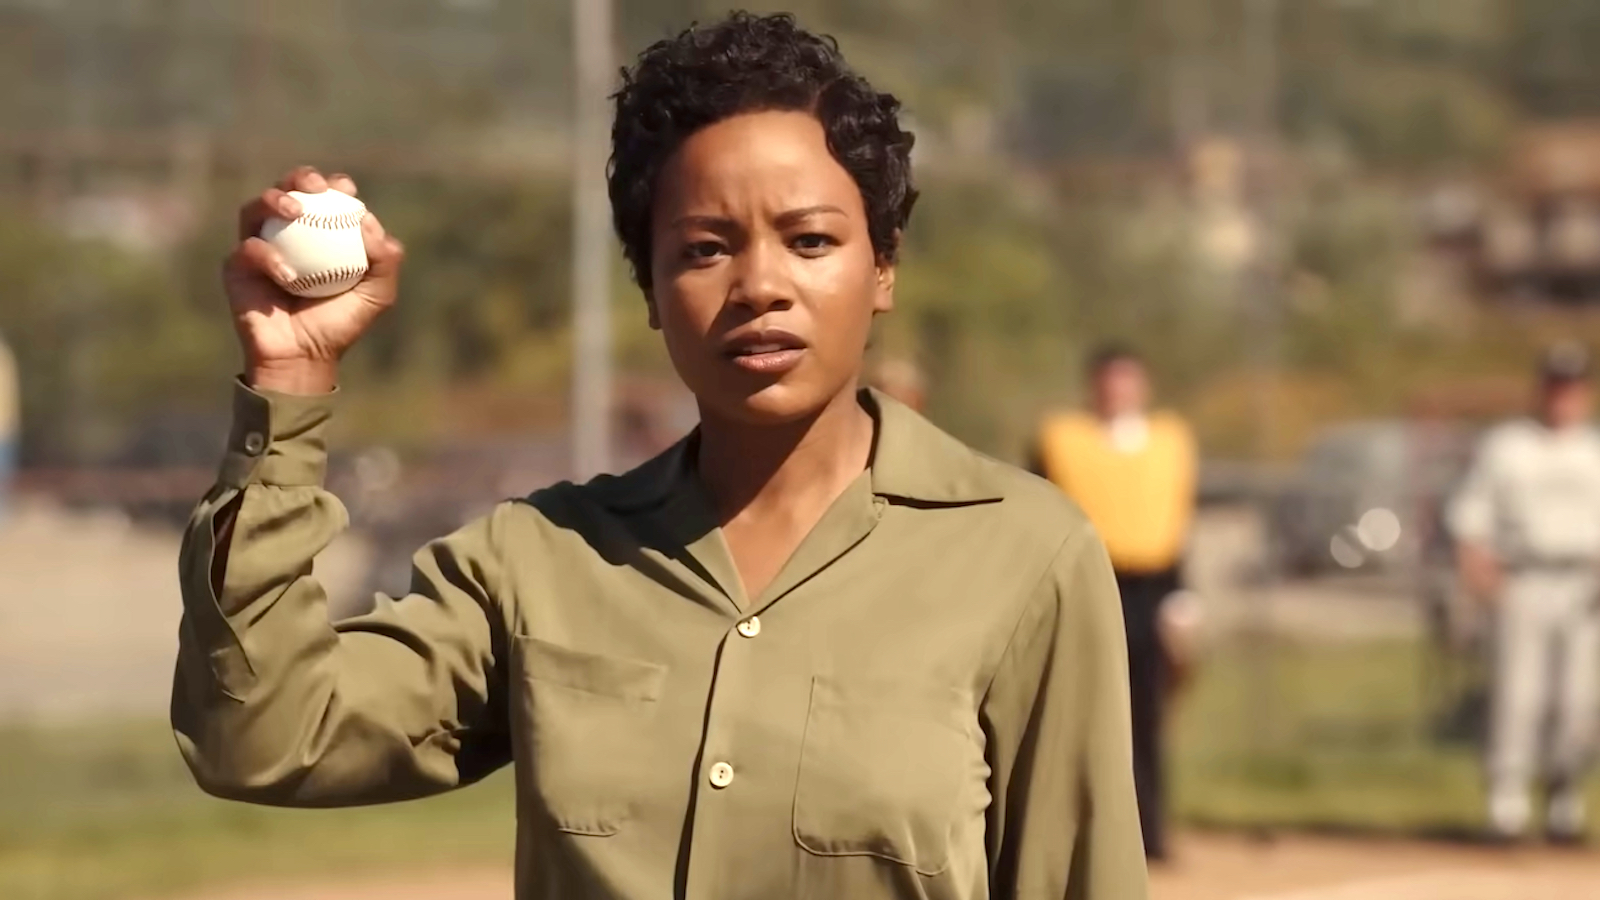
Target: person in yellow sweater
[(1134, 473)]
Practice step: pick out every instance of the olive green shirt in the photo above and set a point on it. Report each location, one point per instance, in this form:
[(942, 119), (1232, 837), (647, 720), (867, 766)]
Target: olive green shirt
[(930, 700)]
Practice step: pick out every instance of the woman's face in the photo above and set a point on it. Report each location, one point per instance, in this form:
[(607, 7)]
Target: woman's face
[(1121, 388), (765, 278)]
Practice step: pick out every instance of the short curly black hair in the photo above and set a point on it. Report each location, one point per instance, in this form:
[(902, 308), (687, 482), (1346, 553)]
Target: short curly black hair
[(750, 63)]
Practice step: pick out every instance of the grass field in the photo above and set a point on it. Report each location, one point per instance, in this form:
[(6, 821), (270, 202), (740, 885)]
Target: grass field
[(109, 813), (1330, 736), (1342, 737)]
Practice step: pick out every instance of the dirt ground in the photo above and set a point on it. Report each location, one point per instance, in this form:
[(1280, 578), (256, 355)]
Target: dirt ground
[(1220, 867), (1209, 867)]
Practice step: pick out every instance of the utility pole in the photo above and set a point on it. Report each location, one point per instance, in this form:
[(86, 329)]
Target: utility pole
[(591, 240), (1262, 155), (1188, 76), (84, 300)]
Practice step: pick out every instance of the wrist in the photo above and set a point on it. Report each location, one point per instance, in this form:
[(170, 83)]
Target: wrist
[(301, 377)]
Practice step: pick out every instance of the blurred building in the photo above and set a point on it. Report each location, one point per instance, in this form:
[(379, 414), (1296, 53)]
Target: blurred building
[(141, 222), (1533, 233)]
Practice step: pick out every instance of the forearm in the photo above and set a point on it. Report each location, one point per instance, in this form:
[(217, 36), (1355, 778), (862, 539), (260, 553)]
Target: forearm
[(1479, 568), (258, 662), (274, 704)]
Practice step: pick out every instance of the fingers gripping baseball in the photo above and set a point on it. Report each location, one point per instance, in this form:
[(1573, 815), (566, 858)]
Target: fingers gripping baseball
[(273, 202), (343, 183), (303, 178), (255, 258), (313, 269), (384, 253)]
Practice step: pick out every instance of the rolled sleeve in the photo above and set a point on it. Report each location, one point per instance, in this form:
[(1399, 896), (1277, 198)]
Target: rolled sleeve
[(277, 439), (273, 703)]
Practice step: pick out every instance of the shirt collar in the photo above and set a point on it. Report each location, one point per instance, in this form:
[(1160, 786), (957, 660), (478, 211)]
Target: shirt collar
[(1128, 433), (917, 461), (913, 461)]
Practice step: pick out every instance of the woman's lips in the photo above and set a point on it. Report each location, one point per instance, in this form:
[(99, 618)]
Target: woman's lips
[(768, 351), (768, 360)]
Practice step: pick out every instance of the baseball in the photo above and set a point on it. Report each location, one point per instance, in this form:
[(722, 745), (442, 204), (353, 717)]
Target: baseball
[(323, 246)]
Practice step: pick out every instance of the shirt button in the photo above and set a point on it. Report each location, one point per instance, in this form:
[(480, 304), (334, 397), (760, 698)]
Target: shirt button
[(254, 443), (721, 775), (750, 627)]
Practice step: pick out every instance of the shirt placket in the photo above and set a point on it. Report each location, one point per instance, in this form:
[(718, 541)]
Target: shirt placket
[(762, 680)]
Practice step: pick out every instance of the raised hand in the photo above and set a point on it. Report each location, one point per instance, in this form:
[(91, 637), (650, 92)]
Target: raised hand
[(292, 344)]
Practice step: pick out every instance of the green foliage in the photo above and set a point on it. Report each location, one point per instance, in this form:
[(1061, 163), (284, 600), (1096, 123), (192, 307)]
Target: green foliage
[(490, 267), (980, 301), (454, 117), (1551, 62), (98, 335)]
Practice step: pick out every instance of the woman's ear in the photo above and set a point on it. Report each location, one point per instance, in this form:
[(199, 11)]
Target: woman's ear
[(888, 265)]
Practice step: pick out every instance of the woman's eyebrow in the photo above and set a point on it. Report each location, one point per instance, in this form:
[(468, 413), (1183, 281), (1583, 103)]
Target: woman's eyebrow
[(783, 220), (793, 216), (710, 223)]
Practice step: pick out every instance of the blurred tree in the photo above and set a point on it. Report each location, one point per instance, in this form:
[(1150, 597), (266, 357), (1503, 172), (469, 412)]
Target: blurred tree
[(101, 339), (982, 305), (1551, 65), (1054, 214)]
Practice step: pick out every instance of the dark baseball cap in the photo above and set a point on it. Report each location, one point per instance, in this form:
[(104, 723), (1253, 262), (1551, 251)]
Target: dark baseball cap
[(1565, 361)]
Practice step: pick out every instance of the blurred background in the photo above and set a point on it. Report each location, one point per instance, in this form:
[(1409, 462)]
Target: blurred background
[(1338, 230)]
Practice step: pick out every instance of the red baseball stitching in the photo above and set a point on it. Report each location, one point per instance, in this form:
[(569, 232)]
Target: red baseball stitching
[(321, 278), (334, 221)]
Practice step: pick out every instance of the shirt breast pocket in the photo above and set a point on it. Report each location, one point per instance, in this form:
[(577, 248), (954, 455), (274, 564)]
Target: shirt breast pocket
[(887, 770), (584, 723)]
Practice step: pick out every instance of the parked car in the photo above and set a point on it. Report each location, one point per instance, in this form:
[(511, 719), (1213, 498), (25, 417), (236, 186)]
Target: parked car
[(1367, 496)]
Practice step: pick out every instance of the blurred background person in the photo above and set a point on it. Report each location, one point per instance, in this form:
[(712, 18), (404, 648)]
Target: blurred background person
[(901, 379), (10, 421), (1134, 473), (1527, 522)]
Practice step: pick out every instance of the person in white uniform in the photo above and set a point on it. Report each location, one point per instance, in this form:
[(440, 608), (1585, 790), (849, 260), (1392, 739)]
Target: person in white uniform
[(1527, 525)]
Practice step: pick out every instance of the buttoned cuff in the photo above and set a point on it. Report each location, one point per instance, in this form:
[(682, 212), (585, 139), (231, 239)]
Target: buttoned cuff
[(277, 439)]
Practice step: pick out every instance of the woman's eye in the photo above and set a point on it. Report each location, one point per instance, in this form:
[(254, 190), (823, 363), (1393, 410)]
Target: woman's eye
[(702, 250), (813, 243)]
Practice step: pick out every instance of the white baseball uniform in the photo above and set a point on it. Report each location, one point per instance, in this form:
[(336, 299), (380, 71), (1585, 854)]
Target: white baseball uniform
[(1533, 499)]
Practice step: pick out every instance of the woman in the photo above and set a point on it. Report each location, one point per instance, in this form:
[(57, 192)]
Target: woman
[(819, 649)]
